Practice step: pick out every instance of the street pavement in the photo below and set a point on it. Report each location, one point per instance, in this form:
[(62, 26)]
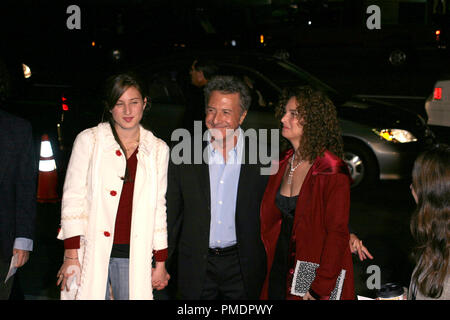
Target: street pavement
[(381, 217)]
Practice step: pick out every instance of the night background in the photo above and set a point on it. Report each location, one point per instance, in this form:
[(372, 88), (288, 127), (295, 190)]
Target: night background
[(397, 64)]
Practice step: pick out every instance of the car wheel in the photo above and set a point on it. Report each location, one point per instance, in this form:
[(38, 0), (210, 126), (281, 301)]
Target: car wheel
[(361, 164), (397, 57)]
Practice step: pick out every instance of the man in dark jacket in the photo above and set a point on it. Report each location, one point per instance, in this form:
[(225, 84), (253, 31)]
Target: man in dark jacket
[(213, 204), (18, 173)]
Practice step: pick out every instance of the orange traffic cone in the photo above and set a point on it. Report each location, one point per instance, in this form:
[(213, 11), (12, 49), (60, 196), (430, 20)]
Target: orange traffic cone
[(48, 176)]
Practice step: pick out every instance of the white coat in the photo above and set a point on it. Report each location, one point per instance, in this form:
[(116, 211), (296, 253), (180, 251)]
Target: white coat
[(90, 201)]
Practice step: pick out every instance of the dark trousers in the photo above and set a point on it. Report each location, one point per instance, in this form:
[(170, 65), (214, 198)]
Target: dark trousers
[(5, 289), (223, 277)]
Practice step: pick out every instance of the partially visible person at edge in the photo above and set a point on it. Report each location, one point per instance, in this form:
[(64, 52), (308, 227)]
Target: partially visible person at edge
[(113, 218), (201, 72), (430, 225), (18, 174), (305, 208)]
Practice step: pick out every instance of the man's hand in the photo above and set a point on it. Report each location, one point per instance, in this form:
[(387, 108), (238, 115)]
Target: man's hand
[(22, 257), (160, 277)]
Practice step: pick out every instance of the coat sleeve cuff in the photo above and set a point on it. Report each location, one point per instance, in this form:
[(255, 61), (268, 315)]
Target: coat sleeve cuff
[(23, 244), (72, 243), (160, 255)]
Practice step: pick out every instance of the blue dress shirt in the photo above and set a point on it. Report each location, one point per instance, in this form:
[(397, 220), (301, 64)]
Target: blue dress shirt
[(23, 244), (224, 180)]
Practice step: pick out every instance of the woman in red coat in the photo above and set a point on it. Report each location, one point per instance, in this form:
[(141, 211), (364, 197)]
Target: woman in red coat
[(305, 208)]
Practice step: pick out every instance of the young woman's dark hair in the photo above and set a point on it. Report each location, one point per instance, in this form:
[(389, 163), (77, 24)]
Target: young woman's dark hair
[(430, 223), (115, 86)]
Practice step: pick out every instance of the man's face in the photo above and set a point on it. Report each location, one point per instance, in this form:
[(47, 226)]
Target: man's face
[(197, 77), (223, 114)]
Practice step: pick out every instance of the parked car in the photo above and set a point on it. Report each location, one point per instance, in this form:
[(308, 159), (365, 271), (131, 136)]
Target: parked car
[(381, 140), (437, 104)]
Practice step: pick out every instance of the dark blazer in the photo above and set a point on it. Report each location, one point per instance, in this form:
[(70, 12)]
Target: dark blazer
[(18, 171), (189, 216)]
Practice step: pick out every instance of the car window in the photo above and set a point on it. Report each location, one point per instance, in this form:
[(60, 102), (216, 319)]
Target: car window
[(264, 93), (164, 87), (280, 74)]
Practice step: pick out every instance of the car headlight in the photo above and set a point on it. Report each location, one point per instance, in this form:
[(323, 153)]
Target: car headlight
[(26, 71), (395, 135)]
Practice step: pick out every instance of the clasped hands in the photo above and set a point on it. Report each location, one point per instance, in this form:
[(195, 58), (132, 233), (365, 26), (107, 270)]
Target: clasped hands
[(160, 277)]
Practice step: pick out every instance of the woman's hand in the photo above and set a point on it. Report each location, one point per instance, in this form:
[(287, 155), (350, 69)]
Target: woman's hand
[(356, 245), (308, 296), (160, 277), (69, 270)]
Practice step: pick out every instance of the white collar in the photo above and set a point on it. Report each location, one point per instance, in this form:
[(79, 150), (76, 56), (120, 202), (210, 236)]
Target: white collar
[(146, 141)]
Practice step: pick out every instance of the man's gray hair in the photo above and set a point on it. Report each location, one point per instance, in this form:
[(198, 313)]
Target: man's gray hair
[(229, 85)]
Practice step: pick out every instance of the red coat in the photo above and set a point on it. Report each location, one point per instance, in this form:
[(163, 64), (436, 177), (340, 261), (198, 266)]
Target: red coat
[(320, 230)]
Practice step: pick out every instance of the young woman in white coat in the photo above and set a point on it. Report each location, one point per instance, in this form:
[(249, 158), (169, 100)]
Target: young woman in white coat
[(113, 215)]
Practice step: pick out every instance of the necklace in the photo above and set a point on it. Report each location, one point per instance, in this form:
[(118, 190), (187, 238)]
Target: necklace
[(292, 169)]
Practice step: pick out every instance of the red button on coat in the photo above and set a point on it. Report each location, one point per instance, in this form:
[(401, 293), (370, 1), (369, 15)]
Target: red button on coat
[(113, 193), (106, 233), (118, 153)]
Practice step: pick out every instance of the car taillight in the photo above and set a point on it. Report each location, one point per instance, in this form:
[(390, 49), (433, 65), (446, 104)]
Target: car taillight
[(64, 104), (438, 35), (437, 94)]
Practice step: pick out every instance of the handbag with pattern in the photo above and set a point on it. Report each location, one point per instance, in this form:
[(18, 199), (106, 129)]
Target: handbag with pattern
[(304, 275)]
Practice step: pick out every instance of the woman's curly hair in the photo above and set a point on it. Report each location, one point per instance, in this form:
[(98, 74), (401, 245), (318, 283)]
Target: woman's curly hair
[(321, 130)]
